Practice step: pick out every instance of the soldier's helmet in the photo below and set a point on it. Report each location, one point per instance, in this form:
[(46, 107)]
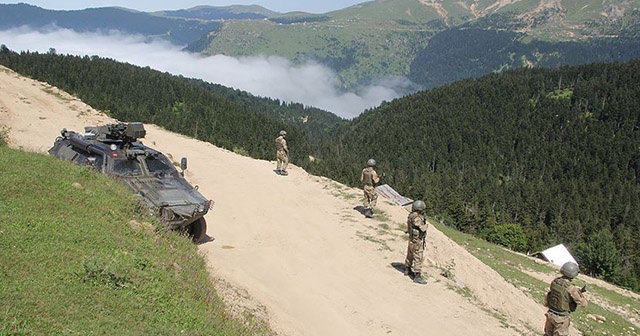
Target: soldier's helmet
[(570, 269), (371, 162), (283, 133), (418, 206)]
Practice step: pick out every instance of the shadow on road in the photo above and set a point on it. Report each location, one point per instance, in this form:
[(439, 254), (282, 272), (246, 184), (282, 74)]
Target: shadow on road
[(398, 266)]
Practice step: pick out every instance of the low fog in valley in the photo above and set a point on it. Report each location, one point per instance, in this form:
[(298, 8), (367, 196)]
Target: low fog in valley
[(311, 83)]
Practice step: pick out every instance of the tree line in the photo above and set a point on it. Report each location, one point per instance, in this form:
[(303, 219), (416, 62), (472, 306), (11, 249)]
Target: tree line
[(225, 117), (468, 51)]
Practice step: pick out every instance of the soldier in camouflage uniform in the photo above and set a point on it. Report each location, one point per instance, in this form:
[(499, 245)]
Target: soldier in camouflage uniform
[(369, 178), (417, 229), (562, 299), (282, 154)]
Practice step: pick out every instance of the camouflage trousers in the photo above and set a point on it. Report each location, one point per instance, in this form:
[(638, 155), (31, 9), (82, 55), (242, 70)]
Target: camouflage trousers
[(282, 160), (556, 325), (370, 197), (415, 255)]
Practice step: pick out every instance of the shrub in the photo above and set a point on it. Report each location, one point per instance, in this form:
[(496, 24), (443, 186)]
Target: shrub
[(598, 255), (509, 235)]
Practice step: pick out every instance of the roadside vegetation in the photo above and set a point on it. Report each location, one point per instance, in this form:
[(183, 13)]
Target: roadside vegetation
[(608, 312), (79, 255)]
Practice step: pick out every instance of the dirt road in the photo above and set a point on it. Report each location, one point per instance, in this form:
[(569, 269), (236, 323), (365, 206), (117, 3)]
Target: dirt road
[(294, 249)]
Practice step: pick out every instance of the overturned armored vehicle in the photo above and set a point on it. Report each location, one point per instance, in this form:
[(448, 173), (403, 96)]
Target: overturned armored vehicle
[(114, 150)]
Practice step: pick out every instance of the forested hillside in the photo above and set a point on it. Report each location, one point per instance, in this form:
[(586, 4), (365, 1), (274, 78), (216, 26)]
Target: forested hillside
[(527, 159), (460, 53), (225, 117)]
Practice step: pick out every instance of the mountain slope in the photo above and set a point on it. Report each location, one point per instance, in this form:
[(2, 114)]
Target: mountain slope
[(385, 38), (297, 246), (460, 53), (552, 151), (377, 41), (298, 253)]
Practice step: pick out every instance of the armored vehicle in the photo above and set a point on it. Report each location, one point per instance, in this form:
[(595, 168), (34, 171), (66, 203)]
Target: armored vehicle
[(115, 150)]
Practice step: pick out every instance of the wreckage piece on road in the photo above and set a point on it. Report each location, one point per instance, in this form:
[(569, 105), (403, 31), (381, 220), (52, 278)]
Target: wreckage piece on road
[(115, 150)]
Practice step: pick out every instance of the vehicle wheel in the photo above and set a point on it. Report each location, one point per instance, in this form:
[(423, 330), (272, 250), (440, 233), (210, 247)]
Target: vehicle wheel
[(197, 230)]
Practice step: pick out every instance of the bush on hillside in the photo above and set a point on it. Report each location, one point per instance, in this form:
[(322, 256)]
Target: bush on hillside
[(598, 256), (509, 235)]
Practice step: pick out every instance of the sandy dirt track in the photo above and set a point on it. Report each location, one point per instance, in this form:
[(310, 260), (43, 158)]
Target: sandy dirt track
[(295, 246)]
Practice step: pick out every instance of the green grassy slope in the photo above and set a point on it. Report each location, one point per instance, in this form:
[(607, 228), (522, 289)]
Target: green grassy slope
[(78, 256), (381, 38), (608, 313), (356, 42)]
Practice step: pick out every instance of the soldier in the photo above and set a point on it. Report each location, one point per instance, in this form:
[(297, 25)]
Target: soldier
[(282, 154), (417, 229), (369, 178), (562, 299)]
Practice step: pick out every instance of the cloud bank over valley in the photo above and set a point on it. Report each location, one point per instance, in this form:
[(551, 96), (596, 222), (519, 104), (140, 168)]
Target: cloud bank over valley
[(311, 83)]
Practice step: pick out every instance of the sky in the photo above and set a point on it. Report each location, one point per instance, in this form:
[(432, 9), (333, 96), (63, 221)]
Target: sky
[(311, 83), (282, 6)]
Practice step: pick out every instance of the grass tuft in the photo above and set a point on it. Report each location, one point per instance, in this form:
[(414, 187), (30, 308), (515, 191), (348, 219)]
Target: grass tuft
[(4, 135)]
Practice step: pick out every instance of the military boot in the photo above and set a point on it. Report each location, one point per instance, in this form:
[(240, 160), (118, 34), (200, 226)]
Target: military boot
[(419, 279)]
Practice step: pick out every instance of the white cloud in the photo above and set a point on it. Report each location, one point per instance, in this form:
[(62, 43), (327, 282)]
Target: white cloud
[(311, 84)]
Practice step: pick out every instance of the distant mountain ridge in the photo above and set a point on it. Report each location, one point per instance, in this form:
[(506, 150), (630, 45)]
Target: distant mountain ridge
[(235, 12), (382, 39), (179, 27), (385, 37)]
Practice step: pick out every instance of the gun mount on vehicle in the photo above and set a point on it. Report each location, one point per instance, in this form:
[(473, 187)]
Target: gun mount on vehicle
[(115, 150)]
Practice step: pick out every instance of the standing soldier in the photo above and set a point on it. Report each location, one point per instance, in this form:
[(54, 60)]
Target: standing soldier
[(562, 299), (369, 178), (417, 229), (282, 154)]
